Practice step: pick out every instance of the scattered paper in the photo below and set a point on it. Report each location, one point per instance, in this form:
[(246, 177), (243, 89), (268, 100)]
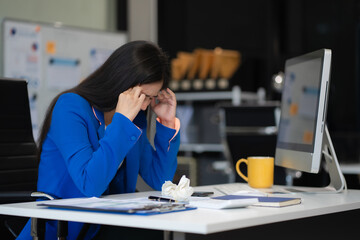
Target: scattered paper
[(180, 192)]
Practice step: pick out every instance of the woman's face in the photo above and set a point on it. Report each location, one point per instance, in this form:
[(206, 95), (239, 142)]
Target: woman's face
[(151, 91)]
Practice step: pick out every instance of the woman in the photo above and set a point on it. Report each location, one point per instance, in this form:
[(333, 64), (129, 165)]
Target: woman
[(93, 140)]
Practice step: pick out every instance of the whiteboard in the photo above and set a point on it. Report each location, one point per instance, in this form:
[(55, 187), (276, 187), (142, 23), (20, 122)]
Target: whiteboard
[(52, 58)]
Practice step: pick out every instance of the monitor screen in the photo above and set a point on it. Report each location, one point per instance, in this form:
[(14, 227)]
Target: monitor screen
[(303, 111)]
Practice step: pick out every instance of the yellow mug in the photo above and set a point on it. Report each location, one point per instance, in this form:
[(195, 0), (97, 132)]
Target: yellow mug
[(260, 171)]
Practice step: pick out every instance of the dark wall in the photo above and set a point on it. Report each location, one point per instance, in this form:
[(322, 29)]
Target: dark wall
[(248, 26), (267, 32), (330, 24)]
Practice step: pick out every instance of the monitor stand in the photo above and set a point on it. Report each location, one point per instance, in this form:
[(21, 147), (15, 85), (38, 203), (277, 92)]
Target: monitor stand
[(337, 179)]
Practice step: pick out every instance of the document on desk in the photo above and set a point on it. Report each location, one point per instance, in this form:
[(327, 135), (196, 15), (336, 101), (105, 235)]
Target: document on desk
[(139, 206), (214, 203)]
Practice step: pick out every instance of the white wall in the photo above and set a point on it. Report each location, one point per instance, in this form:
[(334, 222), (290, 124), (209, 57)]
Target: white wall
[(95, 14), (142, 20), (79, 13)]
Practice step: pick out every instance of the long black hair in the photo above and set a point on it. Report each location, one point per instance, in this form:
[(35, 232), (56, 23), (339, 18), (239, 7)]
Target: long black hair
[(134, 63)]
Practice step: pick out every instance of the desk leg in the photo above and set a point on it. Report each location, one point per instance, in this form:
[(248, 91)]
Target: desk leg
[(62, 230), (168, 235), (38, 228), (178, 236)]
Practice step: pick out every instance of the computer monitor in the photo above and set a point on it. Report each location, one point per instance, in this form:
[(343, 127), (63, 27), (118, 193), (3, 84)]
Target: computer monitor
[(303, 137)]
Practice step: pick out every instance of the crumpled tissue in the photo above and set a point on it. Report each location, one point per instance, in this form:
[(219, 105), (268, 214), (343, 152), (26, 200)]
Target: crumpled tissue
[(180, 192)]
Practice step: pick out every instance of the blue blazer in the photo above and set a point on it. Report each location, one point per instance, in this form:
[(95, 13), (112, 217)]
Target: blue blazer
[(80, 159)]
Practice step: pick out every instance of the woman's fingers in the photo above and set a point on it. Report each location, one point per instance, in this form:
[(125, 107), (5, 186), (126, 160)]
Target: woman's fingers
[(129, 102)]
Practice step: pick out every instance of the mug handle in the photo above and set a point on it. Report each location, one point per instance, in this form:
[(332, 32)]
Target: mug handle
[(237, 166)]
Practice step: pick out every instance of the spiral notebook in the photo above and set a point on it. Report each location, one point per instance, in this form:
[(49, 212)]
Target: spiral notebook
[(265, 201)]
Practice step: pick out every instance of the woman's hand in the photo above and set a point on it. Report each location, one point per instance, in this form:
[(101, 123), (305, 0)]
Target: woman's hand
[(129, 102), (165, 108)]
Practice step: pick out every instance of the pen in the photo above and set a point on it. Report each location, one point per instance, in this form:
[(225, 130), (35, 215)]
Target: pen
[(161, 199)]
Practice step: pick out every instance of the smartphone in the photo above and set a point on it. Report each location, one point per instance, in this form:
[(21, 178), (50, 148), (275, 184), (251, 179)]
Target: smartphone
[(202, 194)]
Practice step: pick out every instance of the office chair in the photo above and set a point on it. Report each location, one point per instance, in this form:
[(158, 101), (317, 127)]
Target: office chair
[(18, 160), (249, 129)]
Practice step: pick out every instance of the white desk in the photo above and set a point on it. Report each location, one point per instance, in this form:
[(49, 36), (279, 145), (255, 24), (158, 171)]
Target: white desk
[(199, 221)]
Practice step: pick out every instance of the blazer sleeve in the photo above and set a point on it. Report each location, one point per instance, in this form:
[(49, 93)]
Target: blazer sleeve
[(91, 168), (163, 164)]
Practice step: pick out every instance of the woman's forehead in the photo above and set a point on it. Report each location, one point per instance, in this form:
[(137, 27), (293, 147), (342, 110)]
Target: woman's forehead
[(151, 89)]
